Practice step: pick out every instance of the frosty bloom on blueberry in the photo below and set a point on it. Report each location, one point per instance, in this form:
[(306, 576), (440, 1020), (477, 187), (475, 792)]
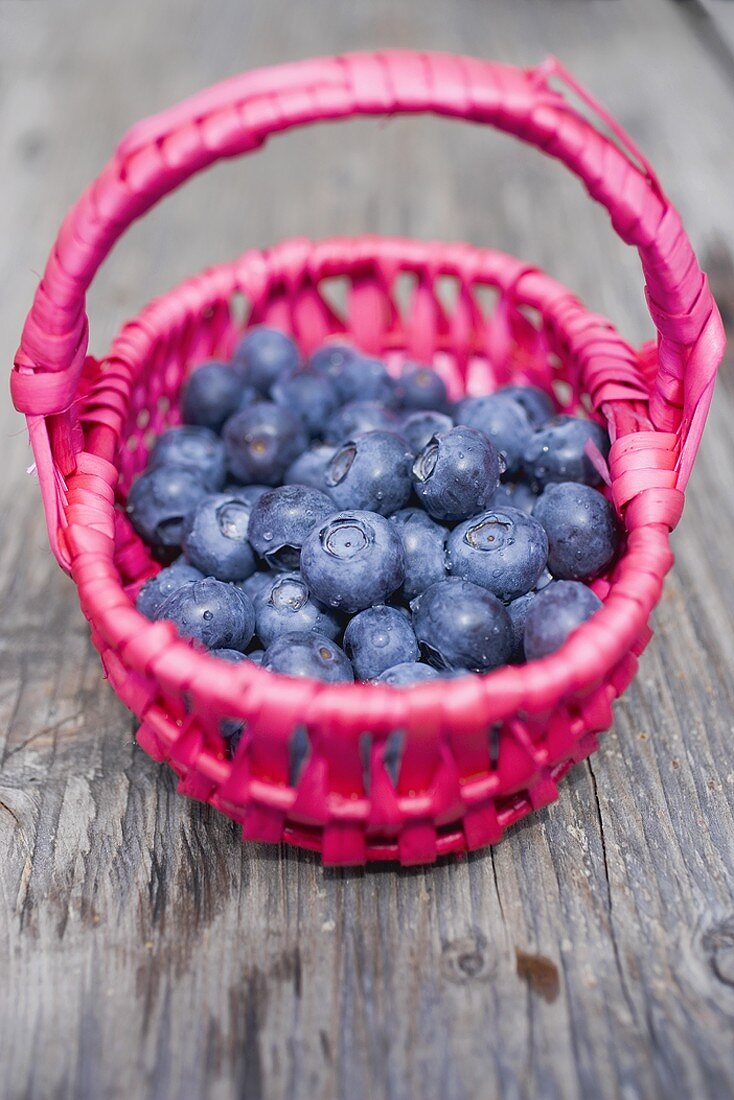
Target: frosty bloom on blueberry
[(504, 550), (266, 355), (285, 605), (503, 419), (196, 448), (456, 474), (262, 441), (371, 472), (353, 561), (215, 538), (282, 518)]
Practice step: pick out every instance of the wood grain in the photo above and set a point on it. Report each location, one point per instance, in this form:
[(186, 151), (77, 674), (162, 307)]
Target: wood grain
[(145, 951)]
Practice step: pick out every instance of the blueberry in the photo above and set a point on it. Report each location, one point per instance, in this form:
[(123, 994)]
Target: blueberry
[(248, 494), (310, 467), (419, 428), (194, 447), (554, 614), (408, 673), (215, 538), (365, 379), (582, 528), (358, 417), (262, 441), (210, 395), (331, 359), (514, 494), (234, 656), (308, 654), (503, 420), (218, 615), (248, 396), (518, 612), (256, 656), (353, 561), (456, 474), (159, 500), (537, 404), (311, 396), (265, 355), (424, 543), (157, 588), (557, 451), (421, 388), (371, 472), (256, 584), (282, 518), (285, 606), (504, 550), (462, 626), (378, 639)]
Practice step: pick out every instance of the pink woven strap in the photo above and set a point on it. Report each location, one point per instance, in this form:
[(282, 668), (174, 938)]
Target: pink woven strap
[(238, 115)]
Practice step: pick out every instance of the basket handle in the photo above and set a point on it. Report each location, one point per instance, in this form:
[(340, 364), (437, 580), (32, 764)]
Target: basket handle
[(239, 114)]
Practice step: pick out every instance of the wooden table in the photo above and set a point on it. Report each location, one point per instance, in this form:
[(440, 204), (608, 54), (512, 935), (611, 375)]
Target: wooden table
[(144, 950)]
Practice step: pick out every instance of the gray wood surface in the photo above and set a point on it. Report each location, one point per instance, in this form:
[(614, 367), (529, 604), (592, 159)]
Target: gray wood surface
[(144, 951)]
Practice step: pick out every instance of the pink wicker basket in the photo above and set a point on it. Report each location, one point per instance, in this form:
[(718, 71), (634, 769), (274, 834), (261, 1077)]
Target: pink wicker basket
[(367, 772)]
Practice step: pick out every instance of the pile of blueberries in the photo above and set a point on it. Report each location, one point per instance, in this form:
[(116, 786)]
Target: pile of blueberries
[(329, 520)]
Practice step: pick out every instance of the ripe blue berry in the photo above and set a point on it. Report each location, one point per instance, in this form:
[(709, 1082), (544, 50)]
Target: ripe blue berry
[(504, 550), (365, 379), (537, 404), (371, 472), (234, 656), (157, 588), (265, 355), (262, 441), (197, 449), (419, 428), (408, 673), (358, 417), (554, 614), (582, 528), (378, 638), (257, 583), (282, 518), (215, 538), (424, 543), (557, 451), (331, 359), (310, 467), (518, 612), (310, 655), (210, 395), (514, 494), (503, 420), (421, 388), (217, 615), (286, 605), (456, 474), (354, 560), (159, 500), (310, 395), (462, 626)]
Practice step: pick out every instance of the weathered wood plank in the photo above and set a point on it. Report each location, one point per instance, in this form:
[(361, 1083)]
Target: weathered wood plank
[(145, 951)]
